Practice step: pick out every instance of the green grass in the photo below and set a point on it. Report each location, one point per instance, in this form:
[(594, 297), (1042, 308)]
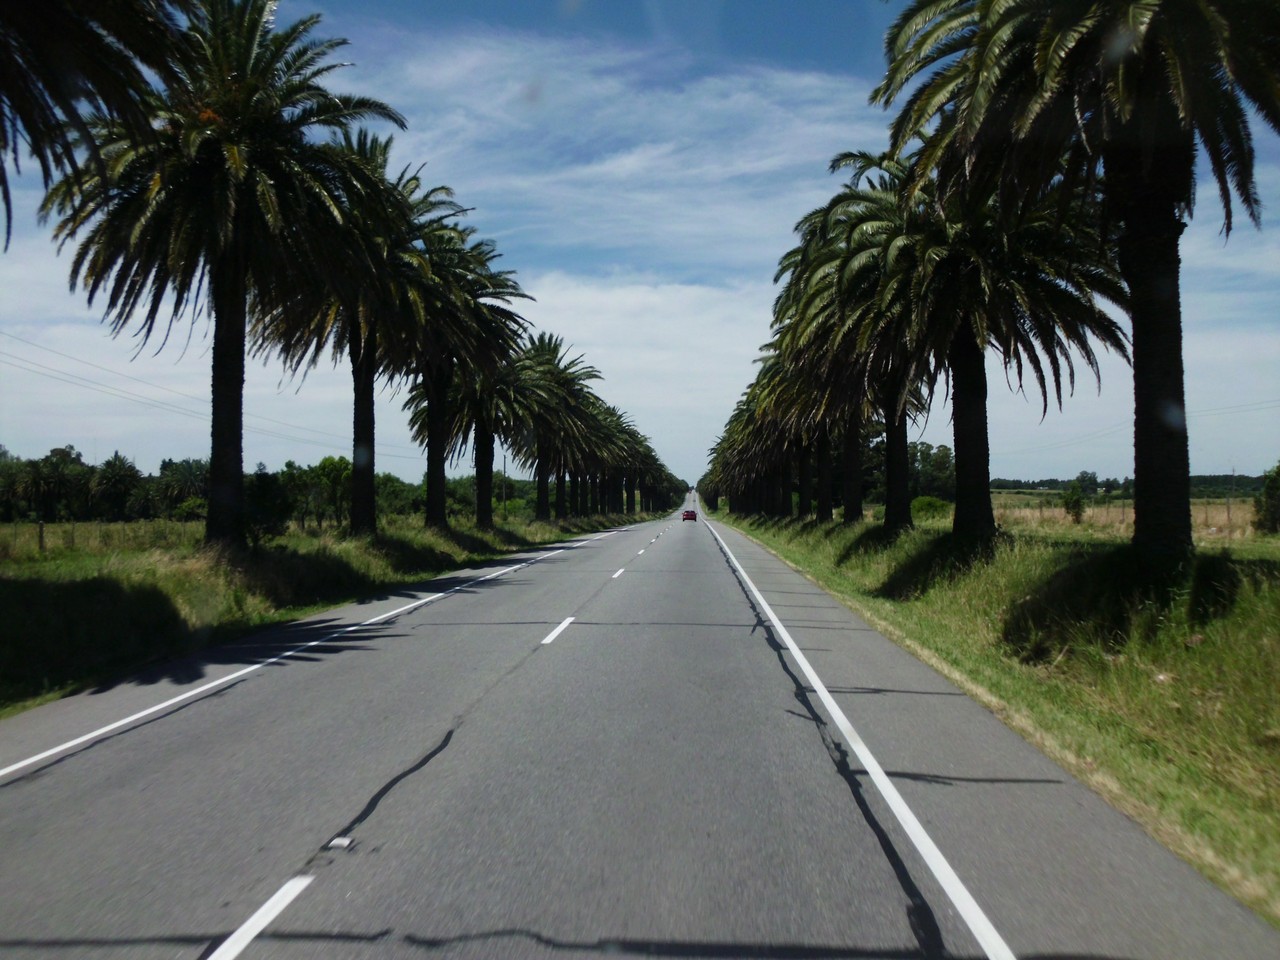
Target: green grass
[(1166, 699), (102, 599)]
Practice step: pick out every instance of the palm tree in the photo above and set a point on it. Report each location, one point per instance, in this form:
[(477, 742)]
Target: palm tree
[(845, 329), (367, 297), (62, 60), (1120, 87), (467, 330), (493, 406), (558, 422), (230, 199), (113, 483), (1029, 289)]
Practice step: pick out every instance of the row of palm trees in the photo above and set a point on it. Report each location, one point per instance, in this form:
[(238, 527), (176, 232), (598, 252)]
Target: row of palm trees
[(541, 407), (1040, 169), (240, 188)]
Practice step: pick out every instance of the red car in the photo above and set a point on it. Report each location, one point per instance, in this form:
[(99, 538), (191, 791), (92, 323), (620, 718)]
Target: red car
[(689, 515)]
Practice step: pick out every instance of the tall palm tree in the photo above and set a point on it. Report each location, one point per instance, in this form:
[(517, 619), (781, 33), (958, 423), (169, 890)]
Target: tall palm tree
[(467, 330), (846, 329), (65, 59), (498, 406), (1028, 289), (230, 199), (558, 423), (367, 298), (1121, 87)]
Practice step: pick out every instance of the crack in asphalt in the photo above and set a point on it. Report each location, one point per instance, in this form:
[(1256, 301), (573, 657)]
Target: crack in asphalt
[(920, 916)]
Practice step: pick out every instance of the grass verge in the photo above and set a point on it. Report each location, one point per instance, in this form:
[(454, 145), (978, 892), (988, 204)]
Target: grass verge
[(1163, 698), (77, 616)]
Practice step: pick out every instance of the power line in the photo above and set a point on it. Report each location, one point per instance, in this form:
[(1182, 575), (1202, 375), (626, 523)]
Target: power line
[(203, 401), (1256, 406), (63, 376)]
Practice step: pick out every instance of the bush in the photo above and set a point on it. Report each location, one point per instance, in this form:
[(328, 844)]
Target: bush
[(193, 508), (1073, 501), (1266, 505), (929, 508)]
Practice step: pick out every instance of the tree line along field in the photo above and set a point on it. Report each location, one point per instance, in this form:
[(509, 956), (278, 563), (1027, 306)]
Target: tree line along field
[(1213, 520), (61, 502)]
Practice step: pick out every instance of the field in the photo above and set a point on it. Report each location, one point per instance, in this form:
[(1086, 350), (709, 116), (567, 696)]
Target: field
[(1164, 698), (1215, 522)]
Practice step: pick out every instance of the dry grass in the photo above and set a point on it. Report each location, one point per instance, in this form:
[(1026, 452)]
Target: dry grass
[(1213, 522)]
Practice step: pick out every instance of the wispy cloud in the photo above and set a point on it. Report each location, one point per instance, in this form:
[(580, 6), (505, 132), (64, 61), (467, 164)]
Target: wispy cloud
[(644, 199)]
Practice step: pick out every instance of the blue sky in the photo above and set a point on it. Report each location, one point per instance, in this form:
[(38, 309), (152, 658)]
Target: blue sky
[(641, 166)]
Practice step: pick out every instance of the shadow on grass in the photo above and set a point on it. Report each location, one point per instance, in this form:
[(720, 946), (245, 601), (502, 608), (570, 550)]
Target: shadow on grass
[(290, 578), (72, 631), (1106, 595), (939, 559), (406, 556), (872, 538)]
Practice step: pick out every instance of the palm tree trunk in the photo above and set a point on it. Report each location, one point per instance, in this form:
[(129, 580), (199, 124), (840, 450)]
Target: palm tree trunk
[(824, 474), (562, 501), (484, 476), (542, 473), (1150, 264), (974, 519), (631, 494), (363, 353), (783, 489), (804, 473), (851, 493), (437, 452), (224, 524), (897, 496)]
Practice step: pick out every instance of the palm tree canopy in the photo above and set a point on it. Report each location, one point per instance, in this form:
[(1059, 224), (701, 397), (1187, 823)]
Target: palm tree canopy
[(61, 59), (231, 180), (1025, 78)]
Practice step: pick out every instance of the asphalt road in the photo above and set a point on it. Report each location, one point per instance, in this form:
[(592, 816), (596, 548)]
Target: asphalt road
[(705, 761)]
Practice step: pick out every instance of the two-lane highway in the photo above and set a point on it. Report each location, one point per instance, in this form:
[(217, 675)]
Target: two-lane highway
[(656, 741)]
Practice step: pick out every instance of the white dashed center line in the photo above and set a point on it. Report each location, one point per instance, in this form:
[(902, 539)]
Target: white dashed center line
[(558, 630)]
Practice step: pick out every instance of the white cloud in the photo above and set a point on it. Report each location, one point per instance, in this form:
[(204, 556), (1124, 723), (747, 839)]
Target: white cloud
[(645, 205)]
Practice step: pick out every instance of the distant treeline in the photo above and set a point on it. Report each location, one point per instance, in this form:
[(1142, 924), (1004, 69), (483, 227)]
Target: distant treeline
[(1214, 485), (61, 486)]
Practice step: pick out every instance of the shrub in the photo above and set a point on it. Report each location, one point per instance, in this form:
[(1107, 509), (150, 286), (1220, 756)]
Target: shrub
[(1073, 501), (1266, 505), (929, 508)]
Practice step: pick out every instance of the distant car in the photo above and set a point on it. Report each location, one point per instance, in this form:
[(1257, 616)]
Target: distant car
[(689, 515)]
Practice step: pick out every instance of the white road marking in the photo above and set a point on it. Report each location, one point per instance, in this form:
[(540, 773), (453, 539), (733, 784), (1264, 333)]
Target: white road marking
[(235, 944), (618, 574), (992, 943), (558, 630), (638, 554), (102, 731)]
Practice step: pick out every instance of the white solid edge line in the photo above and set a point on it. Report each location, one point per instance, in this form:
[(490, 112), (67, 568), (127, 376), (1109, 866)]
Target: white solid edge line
[(618, 574), (992, 943), (235, 944), (101, 731), (558, 630)]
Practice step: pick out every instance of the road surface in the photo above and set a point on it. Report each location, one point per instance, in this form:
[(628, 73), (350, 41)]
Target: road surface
[(656, 741)]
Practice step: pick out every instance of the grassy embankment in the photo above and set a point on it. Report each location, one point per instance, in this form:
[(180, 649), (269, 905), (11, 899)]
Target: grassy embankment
[(101, 599), (1166, 701)]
